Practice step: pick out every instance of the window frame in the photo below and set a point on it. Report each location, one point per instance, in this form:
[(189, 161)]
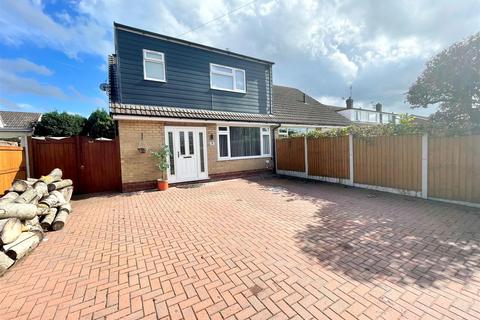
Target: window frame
[(154, 60), (232, 74), (227, 133)]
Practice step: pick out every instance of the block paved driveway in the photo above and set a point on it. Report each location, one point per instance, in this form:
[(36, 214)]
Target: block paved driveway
[(260, 248)]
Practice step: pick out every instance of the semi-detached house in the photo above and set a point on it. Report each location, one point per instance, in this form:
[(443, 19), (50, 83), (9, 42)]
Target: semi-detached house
[(218, 111)]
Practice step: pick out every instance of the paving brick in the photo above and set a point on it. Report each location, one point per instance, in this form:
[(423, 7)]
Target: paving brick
[(252, 248)]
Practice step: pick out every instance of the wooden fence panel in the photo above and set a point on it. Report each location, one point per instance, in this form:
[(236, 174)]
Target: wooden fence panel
[(49, 154), (291, 154), (12, 166), (100, 165), (329, 157), (454, 168), (389, 161)]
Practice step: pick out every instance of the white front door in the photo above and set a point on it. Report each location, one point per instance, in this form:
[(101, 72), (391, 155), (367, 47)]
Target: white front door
[(188, 158)]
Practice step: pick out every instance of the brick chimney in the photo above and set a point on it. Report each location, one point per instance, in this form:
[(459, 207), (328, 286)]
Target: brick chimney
[(349, 103)]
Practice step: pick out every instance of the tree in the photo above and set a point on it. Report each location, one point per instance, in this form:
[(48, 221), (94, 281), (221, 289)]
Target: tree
[(451, 80), (100, 125), (57, 124)]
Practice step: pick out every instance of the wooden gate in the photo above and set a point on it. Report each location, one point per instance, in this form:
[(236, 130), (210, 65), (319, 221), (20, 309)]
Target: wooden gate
[(12, 166), (93, 165)]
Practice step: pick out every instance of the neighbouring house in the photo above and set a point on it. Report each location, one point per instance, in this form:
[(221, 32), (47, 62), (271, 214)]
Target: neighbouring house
[(218, 111), (18, 126), (375, 116), (367, 116)]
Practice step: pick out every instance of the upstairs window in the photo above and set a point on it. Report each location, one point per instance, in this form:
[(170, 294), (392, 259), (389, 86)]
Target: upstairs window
[(227, 78), (153, 65)]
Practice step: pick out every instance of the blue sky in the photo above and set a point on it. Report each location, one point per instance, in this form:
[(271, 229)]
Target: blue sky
[(53, 53)]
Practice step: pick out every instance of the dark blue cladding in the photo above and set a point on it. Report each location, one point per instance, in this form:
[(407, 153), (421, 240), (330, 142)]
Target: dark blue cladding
[(187, 76)]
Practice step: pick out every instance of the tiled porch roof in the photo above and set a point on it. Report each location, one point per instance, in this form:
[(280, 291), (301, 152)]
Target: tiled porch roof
[(184, 113)]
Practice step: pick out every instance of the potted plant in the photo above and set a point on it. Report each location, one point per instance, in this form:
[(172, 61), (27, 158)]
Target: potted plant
[(161, 157)]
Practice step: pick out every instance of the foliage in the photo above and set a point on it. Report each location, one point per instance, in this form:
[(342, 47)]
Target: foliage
[(406, 125), (100, 125), (451, 80), (57, 124), (161, 157)]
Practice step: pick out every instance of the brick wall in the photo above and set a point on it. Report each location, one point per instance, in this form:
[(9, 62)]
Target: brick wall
[(137, 167)]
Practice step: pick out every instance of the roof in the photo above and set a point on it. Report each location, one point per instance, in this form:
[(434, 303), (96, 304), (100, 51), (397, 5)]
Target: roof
[(18, 120), (185, 113), (288, 109), (187, 43)]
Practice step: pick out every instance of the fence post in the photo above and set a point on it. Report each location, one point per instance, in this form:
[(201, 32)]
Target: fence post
[(350, 151), (306, 155), (26, 154), (425, 166)]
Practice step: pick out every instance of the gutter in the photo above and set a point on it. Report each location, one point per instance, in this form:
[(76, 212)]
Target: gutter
[(274, 147), (15, 130)]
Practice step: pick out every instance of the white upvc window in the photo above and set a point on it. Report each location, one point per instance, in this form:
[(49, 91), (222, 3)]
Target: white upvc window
[(153, 65), (227, 78), (243, 142)]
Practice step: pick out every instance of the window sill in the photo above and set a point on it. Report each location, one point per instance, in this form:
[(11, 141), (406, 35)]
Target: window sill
[(228, 90), (156, 80), (245, 158)]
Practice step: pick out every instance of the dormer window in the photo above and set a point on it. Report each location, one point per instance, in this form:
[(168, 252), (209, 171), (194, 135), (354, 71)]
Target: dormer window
[(227, 78), (153, 65)]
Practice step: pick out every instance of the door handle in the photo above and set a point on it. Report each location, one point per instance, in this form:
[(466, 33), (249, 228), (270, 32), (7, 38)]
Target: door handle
[(178, 154), (82, 167), (187, 157)]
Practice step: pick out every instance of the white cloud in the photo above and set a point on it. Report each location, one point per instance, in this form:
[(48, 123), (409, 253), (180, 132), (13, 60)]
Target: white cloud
[(22, 65), (8, 105), (22, 21), (14, 84), (347, 68), (331, 101), (319, 46)]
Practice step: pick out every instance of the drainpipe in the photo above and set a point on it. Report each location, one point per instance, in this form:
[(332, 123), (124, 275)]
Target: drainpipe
[(274, 147)]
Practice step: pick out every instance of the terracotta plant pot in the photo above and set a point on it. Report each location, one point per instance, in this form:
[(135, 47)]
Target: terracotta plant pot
[(162, 185)]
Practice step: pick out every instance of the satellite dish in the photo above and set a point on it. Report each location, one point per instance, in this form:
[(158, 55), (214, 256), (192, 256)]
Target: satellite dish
[(104, 87)]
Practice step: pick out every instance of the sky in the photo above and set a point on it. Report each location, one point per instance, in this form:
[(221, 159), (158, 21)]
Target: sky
[(53, 54)]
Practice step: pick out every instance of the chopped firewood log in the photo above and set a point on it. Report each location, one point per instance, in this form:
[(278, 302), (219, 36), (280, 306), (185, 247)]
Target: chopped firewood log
[(53, 176), (22, 211), (41, 188), (5, 263), (42, 211), (67, 193), (10, 230), (60, 220), (65, 207), (33, 224), (28, 196), (9, 197), (60, 184), (48, 219), (20, 186), (26, 243), (54, 199)]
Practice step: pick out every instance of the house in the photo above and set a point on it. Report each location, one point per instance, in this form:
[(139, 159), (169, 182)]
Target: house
[(18, 126), (298, 113), (362, 116), (217, 110), (365, 116)]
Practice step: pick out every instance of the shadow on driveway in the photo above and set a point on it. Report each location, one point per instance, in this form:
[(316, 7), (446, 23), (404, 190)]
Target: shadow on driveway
[(370, 235)]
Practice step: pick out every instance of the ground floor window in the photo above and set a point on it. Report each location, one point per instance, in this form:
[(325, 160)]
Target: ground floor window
[(243, 142)]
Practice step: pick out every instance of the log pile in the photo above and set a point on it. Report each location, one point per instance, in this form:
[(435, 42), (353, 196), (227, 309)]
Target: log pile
[(28, 209)]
